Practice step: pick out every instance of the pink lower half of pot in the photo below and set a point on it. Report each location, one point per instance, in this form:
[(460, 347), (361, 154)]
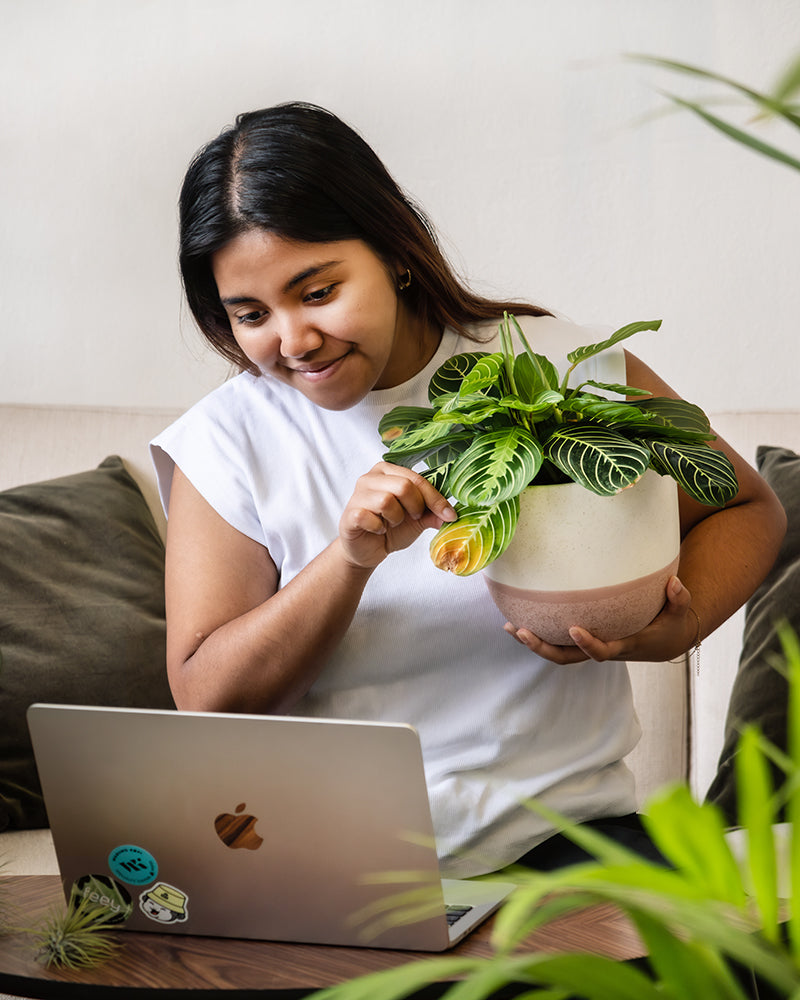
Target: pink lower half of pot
[(607, 612)]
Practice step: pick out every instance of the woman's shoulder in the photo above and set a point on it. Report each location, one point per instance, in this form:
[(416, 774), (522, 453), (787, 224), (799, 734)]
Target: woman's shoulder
[(234, 405)]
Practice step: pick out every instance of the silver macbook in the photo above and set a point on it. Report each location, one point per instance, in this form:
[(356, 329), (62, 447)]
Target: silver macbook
[(264, 827)]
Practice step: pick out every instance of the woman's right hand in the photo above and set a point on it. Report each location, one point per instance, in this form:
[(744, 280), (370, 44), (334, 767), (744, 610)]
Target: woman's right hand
[(238, 641), (390, 508)]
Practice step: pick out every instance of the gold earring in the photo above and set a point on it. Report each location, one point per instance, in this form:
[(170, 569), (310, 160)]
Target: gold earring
[(404, 280)]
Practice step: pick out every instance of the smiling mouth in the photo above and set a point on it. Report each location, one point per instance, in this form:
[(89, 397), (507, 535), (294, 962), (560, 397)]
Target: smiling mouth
[(321, 369)]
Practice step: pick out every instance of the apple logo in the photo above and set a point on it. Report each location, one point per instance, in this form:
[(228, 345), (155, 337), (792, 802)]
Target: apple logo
[(238, 829)]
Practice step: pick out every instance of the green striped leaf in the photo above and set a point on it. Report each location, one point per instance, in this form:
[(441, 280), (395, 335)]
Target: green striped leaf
[(703, 472), (676, 413), (543, 406), (418, 442), (449, 376), (479, 536), (607, 411), (623, 390), (474, 409), (496, 466), (599, 459), (534, 374), (484, 374), (397, 421), (583, 353)]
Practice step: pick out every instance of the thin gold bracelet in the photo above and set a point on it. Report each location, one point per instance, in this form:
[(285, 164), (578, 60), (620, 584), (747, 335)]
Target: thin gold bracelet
[(695, 647)]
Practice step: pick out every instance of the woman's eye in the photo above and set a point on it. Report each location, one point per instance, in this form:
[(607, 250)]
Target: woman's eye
[(319, 294), (249, 318)]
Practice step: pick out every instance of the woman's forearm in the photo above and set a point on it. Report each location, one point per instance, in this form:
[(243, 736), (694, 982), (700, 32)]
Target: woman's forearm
[(265, 659), (725, 557)]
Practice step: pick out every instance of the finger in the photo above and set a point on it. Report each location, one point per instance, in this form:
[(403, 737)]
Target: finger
[(678, 597), (392, 498), (432, 499), (594, 648), (360, 521), (556, 654)]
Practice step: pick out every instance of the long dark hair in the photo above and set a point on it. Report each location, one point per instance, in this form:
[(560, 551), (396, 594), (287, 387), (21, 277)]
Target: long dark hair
[(300, 172)]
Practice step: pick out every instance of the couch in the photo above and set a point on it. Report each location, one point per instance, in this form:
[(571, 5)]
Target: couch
[(683, 712)]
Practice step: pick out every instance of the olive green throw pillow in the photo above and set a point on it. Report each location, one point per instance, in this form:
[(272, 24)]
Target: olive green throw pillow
[(760, 691), (81, 612)]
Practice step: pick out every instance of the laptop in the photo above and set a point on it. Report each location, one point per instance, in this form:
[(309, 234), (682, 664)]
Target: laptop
[(265, 827)]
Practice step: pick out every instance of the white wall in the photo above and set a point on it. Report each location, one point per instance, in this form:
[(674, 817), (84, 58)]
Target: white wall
[(516, 123)]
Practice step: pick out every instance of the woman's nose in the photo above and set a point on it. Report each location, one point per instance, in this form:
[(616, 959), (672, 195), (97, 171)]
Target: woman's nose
[(297, 337)]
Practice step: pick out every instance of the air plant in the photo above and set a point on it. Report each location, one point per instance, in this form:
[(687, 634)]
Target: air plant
[(79, 936), (500, 422)]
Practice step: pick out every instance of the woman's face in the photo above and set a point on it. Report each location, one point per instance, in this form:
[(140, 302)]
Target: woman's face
[(325, 318)]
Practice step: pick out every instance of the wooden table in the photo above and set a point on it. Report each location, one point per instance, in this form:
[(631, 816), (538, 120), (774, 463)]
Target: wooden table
[(177, 966)]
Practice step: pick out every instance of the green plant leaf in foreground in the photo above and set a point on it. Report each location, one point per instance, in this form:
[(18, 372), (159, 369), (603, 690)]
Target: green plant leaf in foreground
[(591, 976), (687, 969), (757, 814), (788, 86), (394, 984), (790, 644), (739, 135), (775, 103), (692, 836)]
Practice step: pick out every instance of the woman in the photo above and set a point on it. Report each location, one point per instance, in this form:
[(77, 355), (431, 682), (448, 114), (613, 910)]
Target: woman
[(296, 581)]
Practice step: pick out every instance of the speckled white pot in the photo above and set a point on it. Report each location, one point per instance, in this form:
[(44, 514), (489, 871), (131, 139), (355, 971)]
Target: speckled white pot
[(580, 559)]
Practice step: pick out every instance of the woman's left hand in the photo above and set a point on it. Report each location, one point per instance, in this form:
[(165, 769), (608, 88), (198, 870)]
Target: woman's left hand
[(671, 633)]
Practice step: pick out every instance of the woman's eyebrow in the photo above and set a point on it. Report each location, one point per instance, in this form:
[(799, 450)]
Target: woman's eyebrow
[(309, 272), (304, 275)]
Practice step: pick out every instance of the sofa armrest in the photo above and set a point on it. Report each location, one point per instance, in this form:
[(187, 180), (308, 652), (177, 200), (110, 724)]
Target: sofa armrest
[(661, 699), (27, 852)]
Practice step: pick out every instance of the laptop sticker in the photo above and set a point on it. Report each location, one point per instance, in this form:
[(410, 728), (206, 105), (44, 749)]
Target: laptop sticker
[(164, 903), (104, 891), (238, 829), (133, 864)]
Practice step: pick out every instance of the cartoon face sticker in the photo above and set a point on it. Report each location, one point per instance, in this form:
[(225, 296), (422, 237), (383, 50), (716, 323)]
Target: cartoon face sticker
[(164, 904)]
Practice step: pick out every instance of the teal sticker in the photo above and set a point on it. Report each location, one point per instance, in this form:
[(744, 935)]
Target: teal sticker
[(133, 865)]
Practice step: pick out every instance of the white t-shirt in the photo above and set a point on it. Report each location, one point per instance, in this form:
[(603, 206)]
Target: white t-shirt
[(498, 724)]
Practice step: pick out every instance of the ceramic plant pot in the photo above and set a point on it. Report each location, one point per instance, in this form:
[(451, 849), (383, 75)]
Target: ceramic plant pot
[(581, 559)]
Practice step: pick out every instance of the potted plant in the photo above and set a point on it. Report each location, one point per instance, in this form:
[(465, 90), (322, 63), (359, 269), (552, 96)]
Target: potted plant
[(720, 924), (531, 458)]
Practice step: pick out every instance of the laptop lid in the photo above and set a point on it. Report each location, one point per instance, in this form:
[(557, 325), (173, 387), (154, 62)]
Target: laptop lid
[(266, 827)]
